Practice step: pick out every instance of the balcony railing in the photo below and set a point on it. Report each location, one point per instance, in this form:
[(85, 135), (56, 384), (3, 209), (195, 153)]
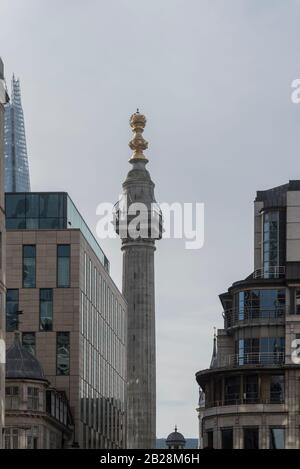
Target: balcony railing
[(246, 359), (270, 272), (150, 223), (248, 398), (234, 317)]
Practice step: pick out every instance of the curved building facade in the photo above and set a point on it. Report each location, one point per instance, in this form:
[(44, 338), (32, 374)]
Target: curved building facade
[(252, 388)]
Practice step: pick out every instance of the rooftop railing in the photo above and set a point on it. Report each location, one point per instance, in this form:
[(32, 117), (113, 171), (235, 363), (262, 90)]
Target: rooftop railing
[(246, 359), (234, 317), (270, 272)]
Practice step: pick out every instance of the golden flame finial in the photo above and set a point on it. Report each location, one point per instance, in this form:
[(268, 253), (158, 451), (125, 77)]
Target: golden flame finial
[(138, 144)]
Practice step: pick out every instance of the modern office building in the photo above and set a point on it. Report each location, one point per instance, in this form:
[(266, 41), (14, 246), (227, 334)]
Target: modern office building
[(37, 416), (138, 248), (3, 101), (73, 316), (252, 388), (16, 160)]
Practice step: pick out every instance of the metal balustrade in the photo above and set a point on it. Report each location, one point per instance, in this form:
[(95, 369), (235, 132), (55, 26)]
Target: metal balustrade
[(234, 317), (263, 358), (247, 399), (270, 272)]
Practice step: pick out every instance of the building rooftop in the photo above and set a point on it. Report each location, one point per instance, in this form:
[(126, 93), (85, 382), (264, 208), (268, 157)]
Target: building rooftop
[(48, 211), (21, 364), (176, 437), (276, 196)]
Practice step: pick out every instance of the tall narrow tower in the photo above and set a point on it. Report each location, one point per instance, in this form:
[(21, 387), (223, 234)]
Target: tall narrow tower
[(16, 160), (138, 246)]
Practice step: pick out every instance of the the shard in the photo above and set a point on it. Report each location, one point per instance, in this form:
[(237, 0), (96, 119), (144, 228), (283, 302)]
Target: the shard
[(15, 150)]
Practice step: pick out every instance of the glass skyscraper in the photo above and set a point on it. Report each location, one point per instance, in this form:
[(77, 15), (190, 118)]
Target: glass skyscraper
[(15, 150)]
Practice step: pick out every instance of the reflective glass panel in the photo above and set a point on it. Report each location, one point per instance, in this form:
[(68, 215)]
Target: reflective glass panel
[(63, 353), (46, 309), (29, 266)]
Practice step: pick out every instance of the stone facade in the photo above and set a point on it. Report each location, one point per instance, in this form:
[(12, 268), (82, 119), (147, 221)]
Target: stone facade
[(252, 389), (36, 415), (3, 100), (93, 312)]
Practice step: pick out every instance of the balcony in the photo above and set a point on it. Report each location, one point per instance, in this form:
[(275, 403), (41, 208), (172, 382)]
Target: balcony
[(252, 359), (270, 272), (247, 399), (149, 226), (250, 316)]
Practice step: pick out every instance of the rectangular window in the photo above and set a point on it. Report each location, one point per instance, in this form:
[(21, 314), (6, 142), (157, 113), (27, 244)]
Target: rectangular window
[(32, 398), (28, 341), (277, 389), (251, 438), (12, 307), (12, 398), (46, 309), (11, 438), (210, 439), (277, 438), (63, 265), (297, 301), (232, 390), (250, 392), (29, 266), (227, 438), (63, 353), (270, 243), (32, 438)]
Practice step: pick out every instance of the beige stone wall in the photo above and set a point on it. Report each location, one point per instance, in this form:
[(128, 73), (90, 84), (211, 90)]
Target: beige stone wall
[(66, 302), (2, 274)]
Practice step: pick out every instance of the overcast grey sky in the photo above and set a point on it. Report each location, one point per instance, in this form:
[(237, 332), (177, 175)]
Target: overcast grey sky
[(213, 78)]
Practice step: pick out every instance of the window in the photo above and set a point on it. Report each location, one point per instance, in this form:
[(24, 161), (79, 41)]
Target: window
[(32, 438), (210, 439), (260, 304), (227, 438), (46, 309), (33, 211), (11, 438), (63, 353), (12, 307), (266, 350), (277, 438), (12, 397), (250, 389), (63, 266), (270, 242), (240, 301), (32, 398), (51, 206), (297, 301), (28, 341), (251, 438), (15, 205), (277, 389), (232, 390), (29, 266)]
